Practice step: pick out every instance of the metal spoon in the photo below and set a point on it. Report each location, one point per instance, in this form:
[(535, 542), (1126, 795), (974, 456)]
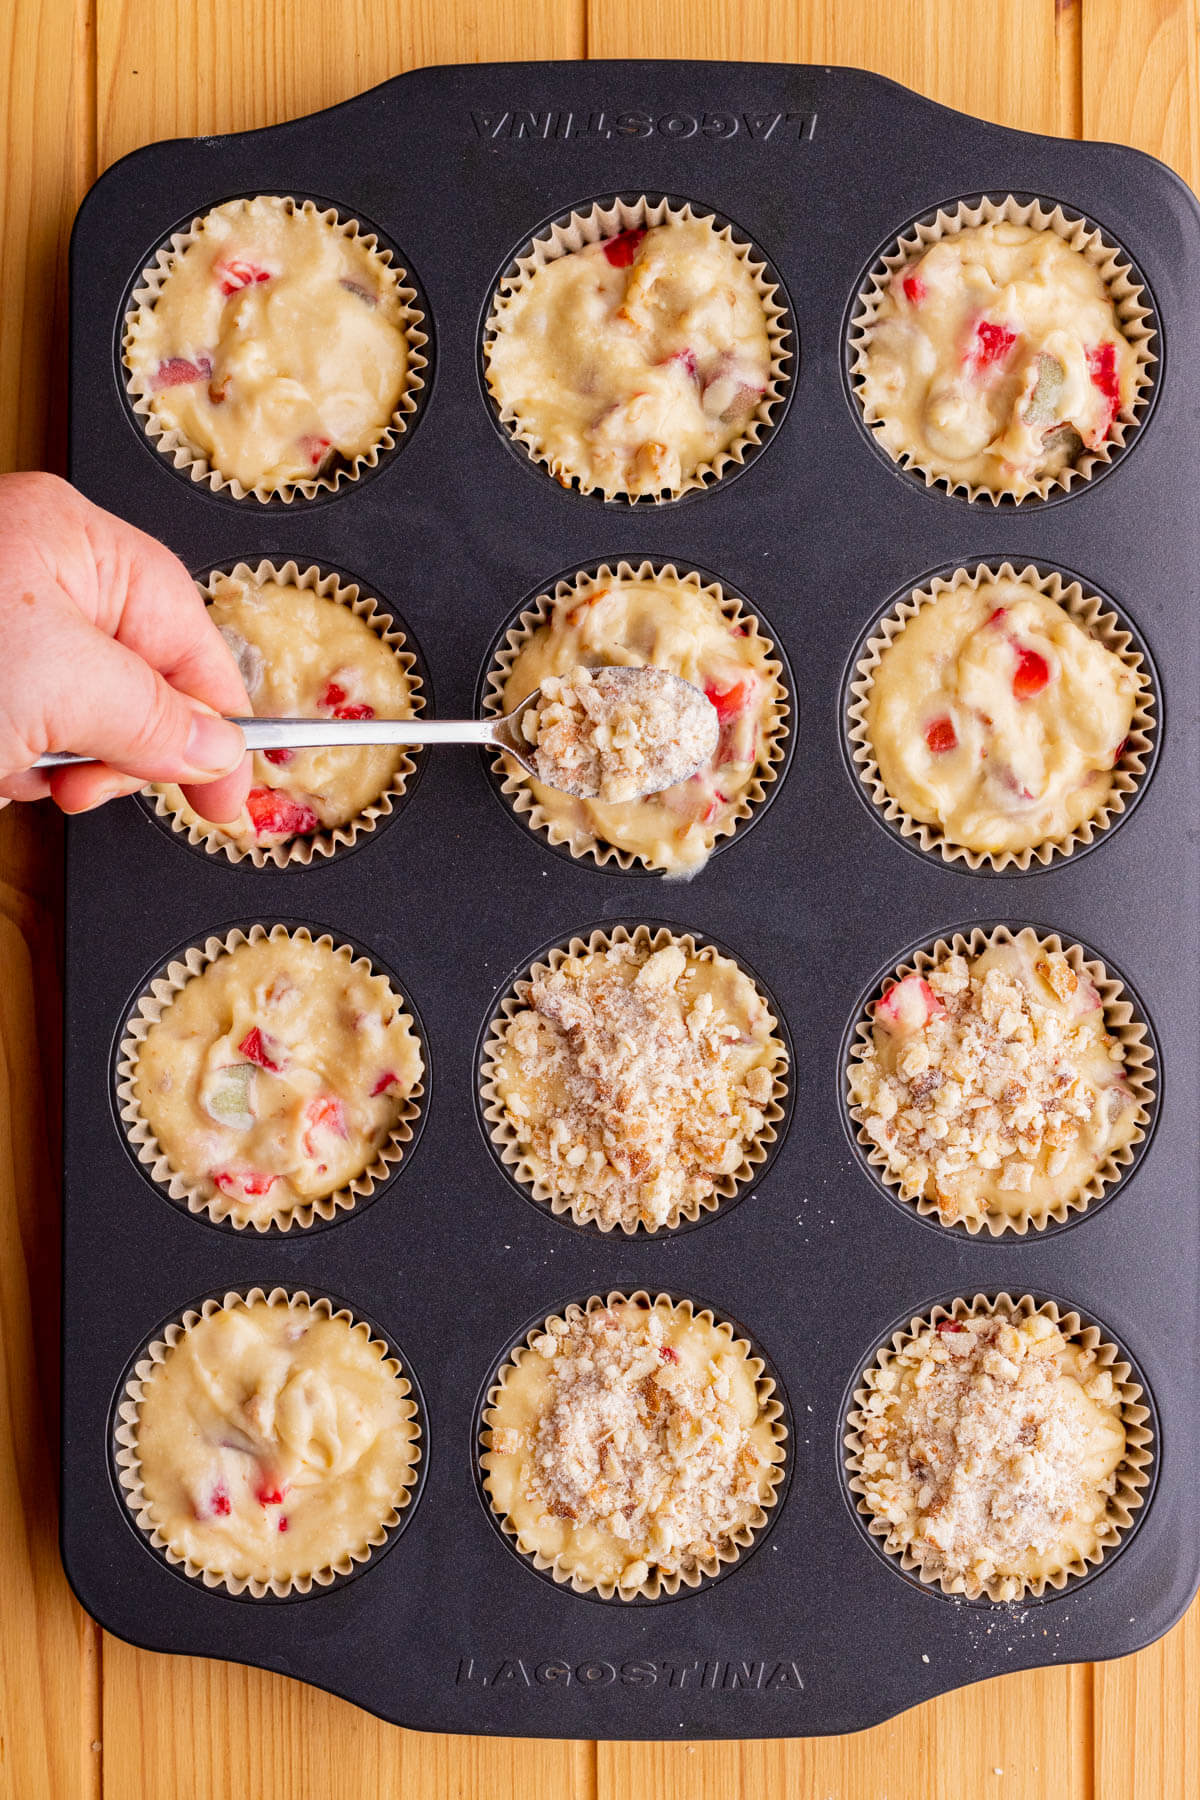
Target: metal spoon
[(504, 733)]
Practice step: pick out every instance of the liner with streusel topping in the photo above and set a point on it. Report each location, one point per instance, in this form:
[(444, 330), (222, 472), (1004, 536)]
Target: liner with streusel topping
[(1131, 1478), (1121, 1022), (528, 1171), (514, 782), (610, 219), (304, 852), (210, 1201), (353, 1558), (189, 458), (1130, 300), (1091, 615), (655, 1583)]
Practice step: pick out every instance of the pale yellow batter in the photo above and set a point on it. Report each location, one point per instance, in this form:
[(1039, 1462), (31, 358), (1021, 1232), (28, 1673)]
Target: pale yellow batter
[(276, 344), (273, 1441), (633, 362), (276, 1075), (676, 626), (304, 656), (997, 359), (991, 1447), (994, 715), (629, 1444)]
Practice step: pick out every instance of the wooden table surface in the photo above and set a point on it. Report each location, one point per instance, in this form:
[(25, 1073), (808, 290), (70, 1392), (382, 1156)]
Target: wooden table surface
[(82, 1714)]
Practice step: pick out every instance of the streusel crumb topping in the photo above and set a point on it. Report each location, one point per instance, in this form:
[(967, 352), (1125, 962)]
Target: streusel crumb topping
[(596, 735), (636, 1080), (993, 1084), (991, 1446)]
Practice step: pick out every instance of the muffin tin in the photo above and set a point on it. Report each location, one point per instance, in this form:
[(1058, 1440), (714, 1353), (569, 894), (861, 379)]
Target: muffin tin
[(815, 1631)]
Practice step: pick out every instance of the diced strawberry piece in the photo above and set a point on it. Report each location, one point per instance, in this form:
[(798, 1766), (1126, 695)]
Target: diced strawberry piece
[(386, 1080), (733, 699), (243, 1184), (1102, 367), (315, 448), (358, 710), (270, 1494), (941, 736), (219, 1504), (908, 1005), (667, 1354), (283, 1524), (324, 1114), (945, 1325), (276, 814), (991, 344), (334, 695), (1032, 674), (177, 371), (914, 289), (235, 272), (280, 756), (263, 1049), (622, 249), (1000, 614)]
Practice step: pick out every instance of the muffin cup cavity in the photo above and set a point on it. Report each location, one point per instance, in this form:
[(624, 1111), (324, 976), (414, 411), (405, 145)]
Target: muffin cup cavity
[(1133, 1473), (352, 1560), (521, 1168), (1132, 303), (189, 459), (514, 784), (317, 847), (1131, 770), (606, 219), (150, 1006), (659, 1585), (1121, 1021)]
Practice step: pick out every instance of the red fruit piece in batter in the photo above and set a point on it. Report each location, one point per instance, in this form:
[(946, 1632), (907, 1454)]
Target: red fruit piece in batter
[(622, 249), (276, 814), (217, 1505), (732, 699), (713, 808), (914, 289), (1102, 367), (940, 735), (1032, 674), (270, 1494), (1119, 752), (386, 1080), (686, 359), (324, 1114), (945, 1325), (356, 710), (243, 1184), (283, 1522), (998, 617), (991, 344), (667, 1354), (334, 695), (237, 273), (910, 1004), (316, 449), (280, 756), (177, 371), (263, 1049)]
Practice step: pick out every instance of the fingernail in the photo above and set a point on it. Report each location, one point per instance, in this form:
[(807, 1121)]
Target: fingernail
[(213, 745)]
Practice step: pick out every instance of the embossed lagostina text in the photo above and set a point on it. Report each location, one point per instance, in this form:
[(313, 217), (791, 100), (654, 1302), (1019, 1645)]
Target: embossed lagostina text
[(560, 124), (762, 1676)]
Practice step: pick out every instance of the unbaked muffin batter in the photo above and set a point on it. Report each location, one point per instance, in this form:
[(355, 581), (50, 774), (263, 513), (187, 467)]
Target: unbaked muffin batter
[(272, 1441), (997, 358), (634, 361), (276, 1075), (676, 626), (303, 656), (629, 1443), (991, 1447), (992, 1086), (634, 1080), (275, 345), (994, 715)]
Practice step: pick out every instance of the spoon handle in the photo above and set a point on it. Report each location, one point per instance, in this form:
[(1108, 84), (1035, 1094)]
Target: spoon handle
[(309, 734)]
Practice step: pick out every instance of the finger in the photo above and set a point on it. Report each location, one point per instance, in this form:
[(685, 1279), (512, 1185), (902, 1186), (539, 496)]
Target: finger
[(29, 784), (87, 785), (221, 801)]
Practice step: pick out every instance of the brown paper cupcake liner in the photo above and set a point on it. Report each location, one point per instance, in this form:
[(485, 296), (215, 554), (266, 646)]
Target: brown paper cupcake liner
[(129, 1465), (524, 1168), (149, 1008), (1120, 1022), (1090, 614), (605, 220), (660, 1585), (1133, 1474), (193, 461), (302, 852), (515, 782), (1128, 296)]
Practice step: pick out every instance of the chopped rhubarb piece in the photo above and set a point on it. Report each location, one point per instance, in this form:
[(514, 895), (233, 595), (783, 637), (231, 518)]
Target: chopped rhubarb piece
[(316, 449), (270, 1494), (1047, 391), (713, 809), (283, 1525), (1119, 752), (359, 291), (356, 710), (622, 249), (999, 616), (276, 814), (280, 756), (733, 698), (235, 272), (177, 371), (218, 1506), (324, 1114), (227, 1096), (945, 1325), (941, 736), (1032, 674), (243, 1184), (909, 1005), (1102, 367), (914, 289), (667, 1354), (686, 359), (386, 1080), (261, 1048), (991, 344), (334, 695)]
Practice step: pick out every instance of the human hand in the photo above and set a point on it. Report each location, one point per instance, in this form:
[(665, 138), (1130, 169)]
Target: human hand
[(108, 651)]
